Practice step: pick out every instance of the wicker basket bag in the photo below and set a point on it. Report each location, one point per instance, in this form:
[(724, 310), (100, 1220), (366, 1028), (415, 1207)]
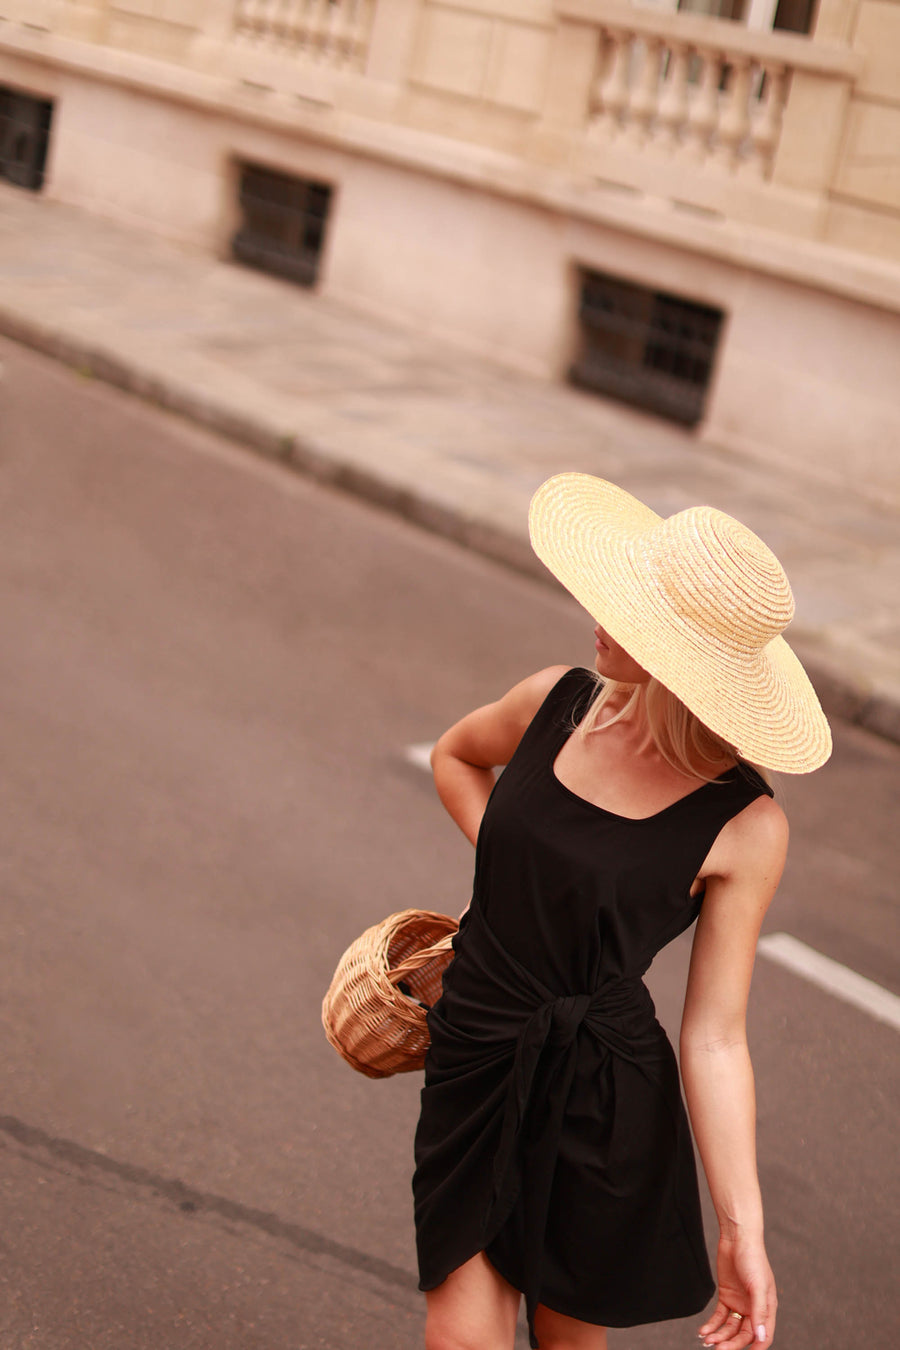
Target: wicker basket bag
[(375, 1026)]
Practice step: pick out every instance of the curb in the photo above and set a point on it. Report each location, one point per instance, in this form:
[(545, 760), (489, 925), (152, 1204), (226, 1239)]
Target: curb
[(842, 694)]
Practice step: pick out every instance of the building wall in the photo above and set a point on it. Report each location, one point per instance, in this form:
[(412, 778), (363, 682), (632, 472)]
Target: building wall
[(139, 159), (462, 244), (864, 208), (481, 270)]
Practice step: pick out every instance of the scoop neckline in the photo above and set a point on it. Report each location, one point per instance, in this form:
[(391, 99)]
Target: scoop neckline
[(614, 815)]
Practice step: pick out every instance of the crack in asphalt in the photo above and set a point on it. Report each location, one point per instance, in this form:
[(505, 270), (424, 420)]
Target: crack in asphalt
[(190, 1200)]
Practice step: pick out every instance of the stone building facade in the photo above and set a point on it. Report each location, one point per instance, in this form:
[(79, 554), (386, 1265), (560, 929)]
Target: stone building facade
[(697, 211)]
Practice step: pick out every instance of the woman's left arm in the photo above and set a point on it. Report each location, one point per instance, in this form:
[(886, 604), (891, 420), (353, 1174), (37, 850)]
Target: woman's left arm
[(741, 875)]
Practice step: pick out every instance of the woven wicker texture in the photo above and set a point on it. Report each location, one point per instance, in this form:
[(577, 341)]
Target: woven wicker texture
[(376, 1027), (699, 601)]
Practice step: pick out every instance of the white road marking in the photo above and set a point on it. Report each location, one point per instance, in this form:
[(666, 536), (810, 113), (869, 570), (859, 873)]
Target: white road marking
[(832, 976), (419, 755)]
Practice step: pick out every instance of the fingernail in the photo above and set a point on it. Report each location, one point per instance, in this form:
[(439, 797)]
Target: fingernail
[(760, 1333)]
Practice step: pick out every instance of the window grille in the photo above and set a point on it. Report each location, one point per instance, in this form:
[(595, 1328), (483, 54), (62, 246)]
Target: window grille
[(283, 226), (24, 138), (645, 347)]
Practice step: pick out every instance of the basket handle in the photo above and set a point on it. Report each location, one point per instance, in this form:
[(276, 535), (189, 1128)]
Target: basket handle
[(420, 958)]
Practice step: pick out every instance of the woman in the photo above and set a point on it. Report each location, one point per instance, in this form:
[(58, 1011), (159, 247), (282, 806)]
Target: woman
[(553, 1152)]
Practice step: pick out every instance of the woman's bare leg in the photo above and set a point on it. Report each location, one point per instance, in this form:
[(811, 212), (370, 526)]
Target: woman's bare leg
[(555, 1331), (474, 1309)]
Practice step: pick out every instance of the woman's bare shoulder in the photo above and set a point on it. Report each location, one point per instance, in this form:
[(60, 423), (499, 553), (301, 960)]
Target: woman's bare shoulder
[(535, 688), (753, 841), (519, 704), (763, 822), (489, 735)]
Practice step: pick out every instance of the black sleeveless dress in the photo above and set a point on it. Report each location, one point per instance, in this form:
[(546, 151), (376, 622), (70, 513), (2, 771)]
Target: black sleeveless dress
[(552, 1133)]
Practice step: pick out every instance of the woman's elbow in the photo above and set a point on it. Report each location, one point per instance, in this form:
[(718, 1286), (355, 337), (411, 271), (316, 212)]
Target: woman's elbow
[(700, 1040)]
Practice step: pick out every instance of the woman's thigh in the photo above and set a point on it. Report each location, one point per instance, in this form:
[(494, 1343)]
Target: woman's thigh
[(555, 1331), (474, 1309)]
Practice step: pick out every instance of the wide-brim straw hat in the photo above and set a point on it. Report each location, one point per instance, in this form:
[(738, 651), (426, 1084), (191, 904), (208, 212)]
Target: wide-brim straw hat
[(699, 601)]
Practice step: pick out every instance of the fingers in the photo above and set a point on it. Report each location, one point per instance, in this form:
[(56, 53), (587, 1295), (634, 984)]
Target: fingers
[(762, 1320), (714, 1323), (730, 1329), (722, 1328)]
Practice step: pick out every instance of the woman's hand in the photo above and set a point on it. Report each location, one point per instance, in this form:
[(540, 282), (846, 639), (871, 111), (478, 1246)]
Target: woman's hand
[(746, 1286)]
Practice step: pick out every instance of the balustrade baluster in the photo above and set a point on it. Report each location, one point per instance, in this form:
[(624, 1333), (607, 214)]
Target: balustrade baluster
[(293, 23), (364, 21), (300, 25), (257, 20), (319, 23), (703, 114), (269, 22), (308, 11), (766, 128), (280, 23), (734, 124), (266, 20), (349, 30), (246, 16), (644, 102), (335, 19), (673, 103), (340, 23), (612, 91), (334, 32), (324, 12)]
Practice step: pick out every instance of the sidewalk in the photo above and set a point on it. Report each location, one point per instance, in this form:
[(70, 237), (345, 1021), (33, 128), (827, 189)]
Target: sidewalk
[(442, 437)]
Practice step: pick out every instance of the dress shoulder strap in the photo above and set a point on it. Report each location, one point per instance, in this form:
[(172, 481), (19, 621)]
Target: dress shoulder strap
[(707, 810), (561, 708), (568, 700)]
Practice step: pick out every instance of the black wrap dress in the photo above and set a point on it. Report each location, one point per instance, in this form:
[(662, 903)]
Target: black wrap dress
[(552, 1133)]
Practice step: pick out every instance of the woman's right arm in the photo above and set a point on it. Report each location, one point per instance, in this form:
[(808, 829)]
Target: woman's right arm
[(465, 757)]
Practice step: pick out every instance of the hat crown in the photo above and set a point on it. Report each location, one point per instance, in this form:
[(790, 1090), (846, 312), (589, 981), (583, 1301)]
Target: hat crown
[(699, 601), (720, 578)]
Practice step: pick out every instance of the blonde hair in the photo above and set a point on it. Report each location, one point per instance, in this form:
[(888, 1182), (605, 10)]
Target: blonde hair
[(677, 733)]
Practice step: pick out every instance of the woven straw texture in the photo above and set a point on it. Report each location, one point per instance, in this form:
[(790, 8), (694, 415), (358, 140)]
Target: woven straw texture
[(699, 601), (377, 1028)]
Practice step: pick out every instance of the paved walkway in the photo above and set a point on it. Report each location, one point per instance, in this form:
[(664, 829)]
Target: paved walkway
[(449, 440)]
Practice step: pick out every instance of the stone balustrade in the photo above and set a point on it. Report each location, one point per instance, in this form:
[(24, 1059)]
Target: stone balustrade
[(713, 107), (694, 88), (331, 32), (699, 111)]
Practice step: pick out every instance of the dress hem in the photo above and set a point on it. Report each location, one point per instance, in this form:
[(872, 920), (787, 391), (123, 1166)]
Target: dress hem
[(617, 1323)]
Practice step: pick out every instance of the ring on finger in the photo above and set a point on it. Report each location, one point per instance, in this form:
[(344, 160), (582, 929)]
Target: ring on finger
[(739, 1316)]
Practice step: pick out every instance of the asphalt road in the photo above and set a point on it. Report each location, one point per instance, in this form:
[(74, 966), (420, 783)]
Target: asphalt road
[(209, 675)]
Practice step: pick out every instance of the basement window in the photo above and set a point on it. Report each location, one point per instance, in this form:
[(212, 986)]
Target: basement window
[(24, 138), (645, 347), (283, 225)]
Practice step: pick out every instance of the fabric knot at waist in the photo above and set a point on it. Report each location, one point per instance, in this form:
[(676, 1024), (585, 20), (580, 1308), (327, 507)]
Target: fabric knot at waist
[(566, 1016), (619, 1015)]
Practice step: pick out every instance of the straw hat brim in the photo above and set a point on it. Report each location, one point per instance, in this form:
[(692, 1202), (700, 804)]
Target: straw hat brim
[(584, 530)]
